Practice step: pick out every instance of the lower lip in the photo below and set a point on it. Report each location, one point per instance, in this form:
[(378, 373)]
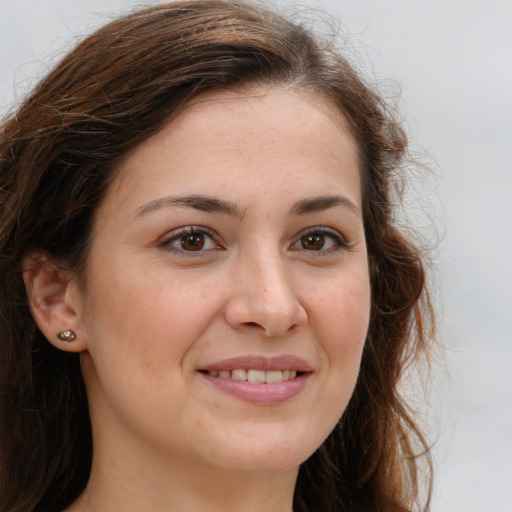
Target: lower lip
[(264, 394)]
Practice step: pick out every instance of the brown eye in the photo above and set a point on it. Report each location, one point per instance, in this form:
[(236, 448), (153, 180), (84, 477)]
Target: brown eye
[(313, 241), (192, 242), (322, 240), (190, 239)]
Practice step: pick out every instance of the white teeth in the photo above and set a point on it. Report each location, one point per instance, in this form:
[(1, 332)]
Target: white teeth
[(271, 377), (239, 374), (256, 376)]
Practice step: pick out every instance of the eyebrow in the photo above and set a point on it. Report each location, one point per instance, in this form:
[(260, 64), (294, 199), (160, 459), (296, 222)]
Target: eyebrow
[(214, 205), (317, 204), (198, 202)]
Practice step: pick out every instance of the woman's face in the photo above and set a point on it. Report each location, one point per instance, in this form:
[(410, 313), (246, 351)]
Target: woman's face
[(230, 250)]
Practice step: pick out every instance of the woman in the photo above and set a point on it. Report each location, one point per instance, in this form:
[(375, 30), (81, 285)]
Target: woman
[(205, 303)]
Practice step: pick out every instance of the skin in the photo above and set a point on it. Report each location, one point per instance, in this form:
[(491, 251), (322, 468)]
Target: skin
[(154, 312)]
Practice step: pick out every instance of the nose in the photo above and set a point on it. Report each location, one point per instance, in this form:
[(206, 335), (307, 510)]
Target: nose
[(264, 298)]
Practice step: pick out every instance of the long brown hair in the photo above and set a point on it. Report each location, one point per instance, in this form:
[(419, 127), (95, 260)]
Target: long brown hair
[(58, 153)]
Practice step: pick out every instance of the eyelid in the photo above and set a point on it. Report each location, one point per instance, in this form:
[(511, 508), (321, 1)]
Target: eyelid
[(176, 234), (341, 243)]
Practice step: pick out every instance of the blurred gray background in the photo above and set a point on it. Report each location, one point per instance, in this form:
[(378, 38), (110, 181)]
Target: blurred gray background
[(452, 61)]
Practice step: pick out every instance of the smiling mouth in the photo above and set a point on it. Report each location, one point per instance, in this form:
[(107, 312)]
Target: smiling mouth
[(256, 376), (259, 380)]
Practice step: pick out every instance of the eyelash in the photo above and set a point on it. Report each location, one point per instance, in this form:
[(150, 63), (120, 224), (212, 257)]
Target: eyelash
[(178, 236), (339, 243)]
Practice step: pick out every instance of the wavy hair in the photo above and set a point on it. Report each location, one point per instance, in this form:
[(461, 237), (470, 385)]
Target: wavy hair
[(60, 150)]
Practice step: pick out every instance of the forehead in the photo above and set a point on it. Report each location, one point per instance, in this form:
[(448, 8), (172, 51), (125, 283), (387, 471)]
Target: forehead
[(253, 135)]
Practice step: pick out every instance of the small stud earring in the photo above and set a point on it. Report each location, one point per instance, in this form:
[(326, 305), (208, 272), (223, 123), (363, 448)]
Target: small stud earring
[(67, 336)]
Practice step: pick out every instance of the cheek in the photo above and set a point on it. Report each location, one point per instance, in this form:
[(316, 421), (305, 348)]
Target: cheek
[(140, 332), (342, 325), (150, 319), (343, 311)]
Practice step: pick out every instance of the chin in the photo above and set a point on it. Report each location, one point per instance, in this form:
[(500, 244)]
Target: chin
[(273, 461), (264, 448)]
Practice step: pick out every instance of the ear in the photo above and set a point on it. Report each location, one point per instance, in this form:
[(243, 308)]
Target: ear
[(54, 300)]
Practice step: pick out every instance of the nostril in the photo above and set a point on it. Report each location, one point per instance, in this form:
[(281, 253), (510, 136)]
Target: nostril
[(252, 324)]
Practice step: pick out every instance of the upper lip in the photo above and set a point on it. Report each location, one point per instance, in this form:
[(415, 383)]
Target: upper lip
[(257, 362)]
